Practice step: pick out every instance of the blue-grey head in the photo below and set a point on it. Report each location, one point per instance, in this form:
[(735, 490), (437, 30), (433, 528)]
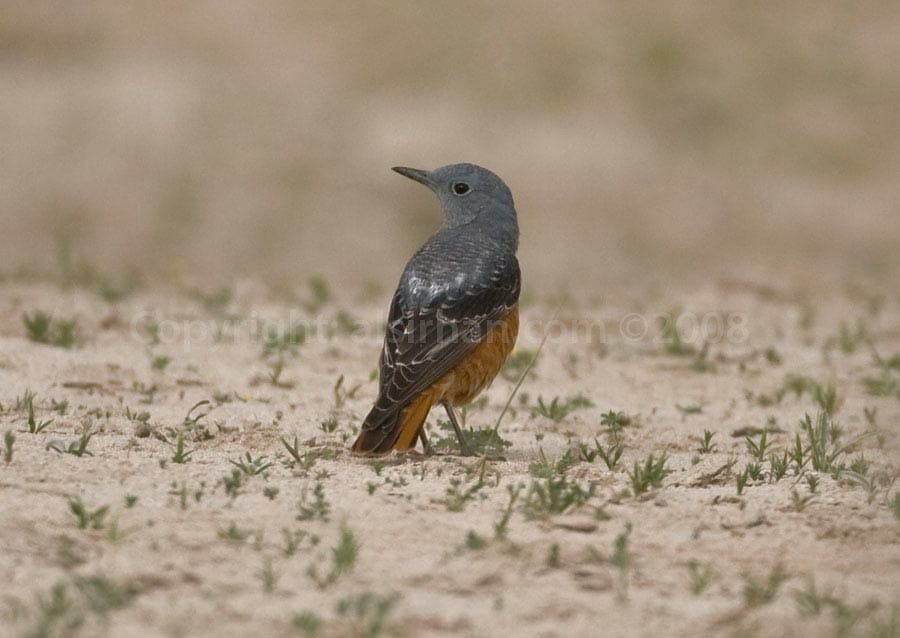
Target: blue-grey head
[(469, 193)]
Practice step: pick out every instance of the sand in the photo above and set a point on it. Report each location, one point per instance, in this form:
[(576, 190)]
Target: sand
[(391, 547)]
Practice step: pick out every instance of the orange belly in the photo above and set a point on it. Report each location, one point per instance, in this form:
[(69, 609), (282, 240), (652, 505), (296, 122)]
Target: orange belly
[(464, 382), (477, 371)]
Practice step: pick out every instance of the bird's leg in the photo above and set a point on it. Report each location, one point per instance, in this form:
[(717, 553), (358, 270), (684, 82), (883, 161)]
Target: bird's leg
[(464, 449), (426, 446)]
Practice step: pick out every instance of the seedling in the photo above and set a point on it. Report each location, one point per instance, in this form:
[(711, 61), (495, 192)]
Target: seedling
[(367, 612), (621, 559), (474, 541), (548, 468), (758, 449), (552, 560), (884, 385), (314, 507), (559, 409), (650, 474), (285, 341), (516, 364), (812, 481), (778, 465), (35, 427), (160, 362), (42, 328), (234, 534), (267, 576), (614, 421), (610, 454), (459, 494), (343, 558), (501, 527), (250, 466), (232, 483), (485, 442), (762, 591), (554, 496), (741, 481), (688, 410), (798, 502), (329, 425), (85, 517), (79, 448), (9, 440), (307, 622), (706, 444), (671, 336), (342, 394), (700, 575), (181, 455)]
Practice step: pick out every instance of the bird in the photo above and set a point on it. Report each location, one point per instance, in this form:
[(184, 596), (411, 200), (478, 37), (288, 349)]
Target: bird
[(454, 317)]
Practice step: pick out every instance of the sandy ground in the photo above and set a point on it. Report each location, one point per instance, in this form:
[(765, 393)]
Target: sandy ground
[(409, 545)]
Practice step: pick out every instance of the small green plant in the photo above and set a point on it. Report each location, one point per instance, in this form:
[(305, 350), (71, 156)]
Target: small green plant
[(267, 576), (884, 385), (762, 591), (319, 293), (34, 426), (826, 398), (474, 541), (812, 481), (622, 560), (673, 342), (234, 534), (307, 622), (181, 455), (85, 517), (232, 483), (554, 496), (343, 558), (610, 454), (741, 479), (706, 444), (459, 493), (315, 506), (501, 527), (9, 439), (778, 465), (485, 442), (367, 613), (250, 466), (700, 575), (517, 363), (688, 410), (798, 501), (558, 409), (547, 468), (285, 341), (650, 474), (342, 393), (42, 328), (823, 443), (614, 421), (79, 448), (757, 449), (160, 362), (552, 560), (329, 425)]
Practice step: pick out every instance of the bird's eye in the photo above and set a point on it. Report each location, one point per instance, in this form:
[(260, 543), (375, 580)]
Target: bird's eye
[(460, 188)]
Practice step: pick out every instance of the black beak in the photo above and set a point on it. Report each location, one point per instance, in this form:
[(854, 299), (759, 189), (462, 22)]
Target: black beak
[(416, 174)]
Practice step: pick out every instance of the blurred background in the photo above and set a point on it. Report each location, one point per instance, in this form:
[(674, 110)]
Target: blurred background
[(644, 141)]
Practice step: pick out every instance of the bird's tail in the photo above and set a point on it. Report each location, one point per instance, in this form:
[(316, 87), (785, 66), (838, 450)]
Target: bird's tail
[(398, 430)]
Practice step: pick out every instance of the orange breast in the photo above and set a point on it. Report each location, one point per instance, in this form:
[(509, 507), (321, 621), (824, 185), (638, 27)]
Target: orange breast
[(477, 371)]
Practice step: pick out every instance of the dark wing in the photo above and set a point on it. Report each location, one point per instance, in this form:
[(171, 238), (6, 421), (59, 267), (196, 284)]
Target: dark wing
[(423, 344)]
